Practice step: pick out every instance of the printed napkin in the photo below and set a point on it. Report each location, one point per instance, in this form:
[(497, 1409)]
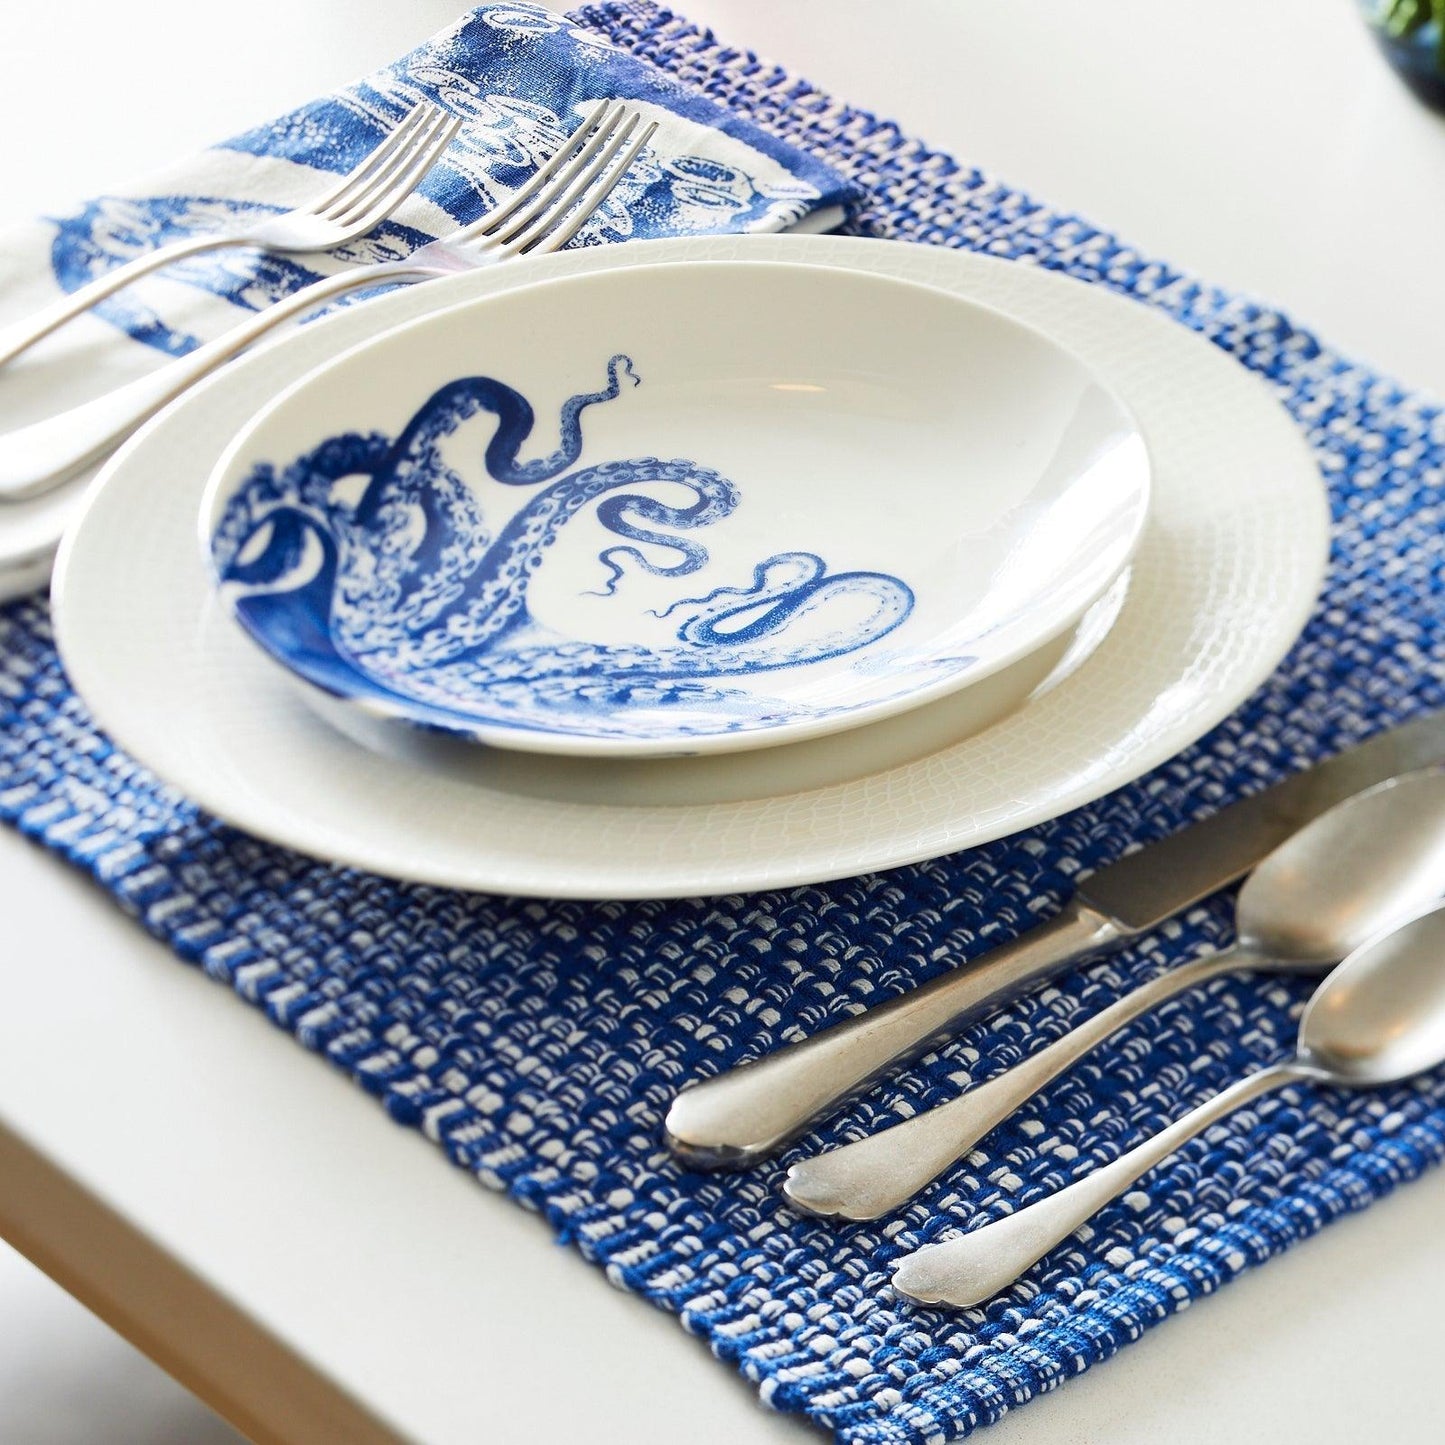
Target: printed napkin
[(521, 78), (538, 1043)]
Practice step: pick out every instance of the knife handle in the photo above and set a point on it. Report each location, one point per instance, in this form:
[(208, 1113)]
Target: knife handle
[(749, 1112)]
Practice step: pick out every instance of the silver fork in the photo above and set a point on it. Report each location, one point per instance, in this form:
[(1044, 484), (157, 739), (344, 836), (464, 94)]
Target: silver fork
[(360, 201), (543, 216)]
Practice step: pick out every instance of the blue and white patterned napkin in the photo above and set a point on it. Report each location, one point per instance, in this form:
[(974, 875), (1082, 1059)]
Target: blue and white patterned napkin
[(521, 77)]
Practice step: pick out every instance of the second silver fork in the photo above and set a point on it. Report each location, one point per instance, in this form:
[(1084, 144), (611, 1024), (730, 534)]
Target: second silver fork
[(541, 217), (359, 201)]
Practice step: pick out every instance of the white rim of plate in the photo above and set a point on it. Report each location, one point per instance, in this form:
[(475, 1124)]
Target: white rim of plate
[(1225, 576)]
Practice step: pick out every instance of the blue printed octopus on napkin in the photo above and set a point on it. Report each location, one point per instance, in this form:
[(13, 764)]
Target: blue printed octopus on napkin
[(522, 78)]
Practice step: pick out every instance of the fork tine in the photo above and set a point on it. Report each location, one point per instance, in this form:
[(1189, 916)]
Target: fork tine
[(383, 178), (587, 193), (611, 134), (564, 152), (398, 137), (383, 197), (616, 126), (591, 201), (388, 160), (540, 191)]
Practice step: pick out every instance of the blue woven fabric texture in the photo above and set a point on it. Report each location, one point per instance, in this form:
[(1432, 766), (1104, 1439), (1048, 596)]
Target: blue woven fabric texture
[(538, 1043)]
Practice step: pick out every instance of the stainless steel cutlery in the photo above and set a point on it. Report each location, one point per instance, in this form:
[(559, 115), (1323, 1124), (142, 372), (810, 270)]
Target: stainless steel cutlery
[(1355, 871), (356, 204), (745, 1114), (1348, 863), (543, 216)]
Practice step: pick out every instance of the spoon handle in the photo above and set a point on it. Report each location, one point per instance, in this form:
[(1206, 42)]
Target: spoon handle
[(877, 1174), (745, 1114), (973, 1268)]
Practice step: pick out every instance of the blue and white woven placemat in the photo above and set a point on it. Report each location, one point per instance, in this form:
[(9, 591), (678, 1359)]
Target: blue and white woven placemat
[(539, 1043)]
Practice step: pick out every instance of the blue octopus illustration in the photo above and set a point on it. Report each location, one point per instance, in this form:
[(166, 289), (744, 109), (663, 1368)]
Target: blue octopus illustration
[(369, 565)]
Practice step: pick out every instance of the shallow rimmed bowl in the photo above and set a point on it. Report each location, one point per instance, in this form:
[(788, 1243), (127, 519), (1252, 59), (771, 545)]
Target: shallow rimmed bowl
[(676, 509)]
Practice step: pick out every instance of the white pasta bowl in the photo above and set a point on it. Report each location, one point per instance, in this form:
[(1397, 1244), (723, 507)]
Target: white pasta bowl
[(676, 509)]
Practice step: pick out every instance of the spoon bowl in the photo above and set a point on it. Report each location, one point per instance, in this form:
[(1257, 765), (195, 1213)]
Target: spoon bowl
[(1352, 872), (1380, 1016)]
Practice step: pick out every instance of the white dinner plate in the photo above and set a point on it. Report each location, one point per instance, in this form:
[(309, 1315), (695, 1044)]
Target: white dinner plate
[(722, 506), (1225, 575)]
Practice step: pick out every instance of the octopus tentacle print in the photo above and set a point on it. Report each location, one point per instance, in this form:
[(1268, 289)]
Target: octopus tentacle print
[(373, 561)]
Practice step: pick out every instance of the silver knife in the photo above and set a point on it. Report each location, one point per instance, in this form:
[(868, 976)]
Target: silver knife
[(751, 1111)]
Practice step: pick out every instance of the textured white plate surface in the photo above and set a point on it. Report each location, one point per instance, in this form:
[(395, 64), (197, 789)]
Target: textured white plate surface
[(1228, 568)]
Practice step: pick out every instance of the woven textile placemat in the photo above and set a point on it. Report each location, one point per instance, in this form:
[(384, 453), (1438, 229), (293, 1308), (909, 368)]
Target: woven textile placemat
[(539, 1043)]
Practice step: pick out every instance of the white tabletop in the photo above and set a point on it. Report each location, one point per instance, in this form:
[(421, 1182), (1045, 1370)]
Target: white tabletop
[(256, 1223)]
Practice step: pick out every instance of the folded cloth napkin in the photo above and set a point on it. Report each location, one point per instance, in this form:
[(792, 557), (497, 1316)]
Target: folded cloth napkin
[(538, 1043), (520, 76)]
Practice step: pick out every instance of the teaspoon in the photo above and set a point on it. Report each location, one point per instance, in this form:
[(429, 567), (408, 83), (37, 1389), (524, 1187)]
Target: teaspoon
[(1377, 1019), (1358, 868)]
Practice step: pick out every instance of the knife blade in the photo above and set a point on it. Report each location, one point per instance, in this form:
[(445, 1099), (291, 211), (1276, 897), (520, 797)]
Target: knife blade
[(751, 1111), (1143, 888)]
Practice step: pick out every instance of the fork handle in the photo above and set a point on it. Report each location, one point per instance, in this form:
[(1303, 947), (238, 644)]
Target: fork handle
[(745, 1114), (35, 458), (973, 1268), (876, 1174), (22, 335)]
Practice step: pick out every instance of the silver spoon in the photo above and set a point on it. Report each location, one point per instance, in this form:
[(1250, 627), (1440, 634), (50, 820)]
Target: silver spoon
[(1356, 869), (1377, 1019)]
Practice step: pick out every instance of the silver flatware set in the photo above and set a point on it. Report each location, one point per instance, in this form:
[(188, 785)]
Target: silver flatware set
[(1346, 865)]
